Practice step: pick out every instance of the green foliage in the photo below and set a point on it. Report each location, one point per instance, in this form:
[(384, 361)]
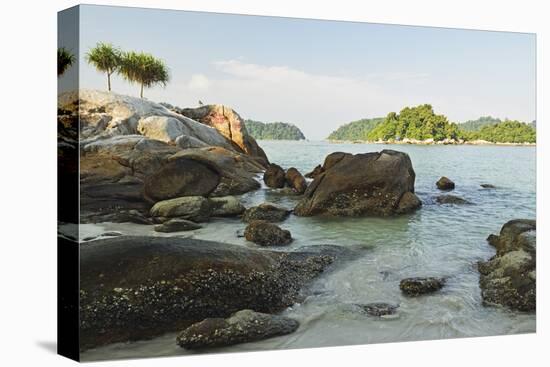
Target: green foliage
[(355, 130), (105, 58), (273, 131), (144, 69), (506, 132), (476, 125), (64, 60), (419, 123)]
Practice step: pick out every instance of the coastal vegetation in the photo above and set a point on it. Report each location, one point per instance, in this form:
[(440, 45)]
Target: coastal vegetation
[(505, 132), (476, 125), (64, 60), (105, 58), (136, 67), (422, 124), (355, 130), (273, 130), (417, 123)]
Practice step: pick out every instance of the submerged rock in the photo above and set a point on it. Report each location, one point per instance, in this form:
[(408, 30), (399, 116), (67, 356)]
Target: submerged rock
[(266, 234), (445, 184), (135, 288), (360, 184), (380, 309), (295, 180), (177, 225), (509, 277), (242, 327), (274, 176), (488, 186), (451, 199), (266, 211), (417, 286)]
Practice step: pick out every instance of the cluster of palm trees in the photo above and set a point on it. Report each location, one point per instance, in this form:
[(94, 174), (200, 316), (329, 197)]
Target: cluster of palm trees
[(135, 67)]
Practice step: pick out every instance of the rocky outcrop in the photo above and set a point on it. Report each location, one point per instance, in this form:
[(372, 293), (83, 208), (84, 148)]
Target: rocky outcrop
[(177, 225), (266, 234), (445, 184), (134, 153), (414, 287), (509, 278), (229, 124), (295, 180), (138, 287), (361, 184), (451, 199), (274, 176), (266, 211), (242, 327)]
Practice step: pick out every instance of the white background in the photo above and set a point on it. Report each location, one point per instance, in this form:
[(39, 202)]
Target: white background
[(28, 185)]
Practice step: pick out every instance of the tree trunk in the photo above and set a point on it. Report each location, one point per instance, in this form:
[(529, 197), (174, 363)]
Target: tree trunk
[(141, 91), (109, 81)]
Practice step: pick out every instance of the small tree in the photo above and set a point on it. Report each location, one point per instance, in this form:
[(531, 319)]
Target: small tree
[(105, 58), (64, 60), (143, 68)]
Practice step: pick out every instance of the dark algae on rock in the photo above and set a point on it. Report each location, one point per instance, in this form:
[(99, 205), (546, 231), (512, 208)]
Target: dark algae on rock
[(242, 327), (135, 288), (417, 286), (509, 278), (361, 184)]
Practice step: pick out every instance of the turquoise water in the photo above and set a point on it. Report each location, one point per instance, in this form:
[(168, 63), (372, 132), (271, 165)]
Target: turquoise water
[(437, 240)]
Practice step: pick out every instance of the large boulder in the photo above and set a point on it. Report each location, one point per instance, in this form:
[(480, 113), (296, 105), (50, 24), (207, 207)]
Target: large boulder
[(360, 184), (139, 287), (226, 206), (133, 172), (295, 180), (274, 176), (316, 172), (193, 208), (242, 327), (229, 124), (237, 172), (113, 170), (266, 234), (509, 278)]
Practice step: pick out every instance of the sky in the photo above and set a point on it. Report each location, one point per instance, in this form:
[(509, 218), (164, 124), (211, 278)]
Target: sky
[(317, 74)]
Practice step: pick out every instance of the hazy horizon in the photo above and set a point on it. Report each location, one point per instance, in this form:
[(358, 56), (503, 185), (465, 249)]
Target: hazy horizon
[(317, 74)]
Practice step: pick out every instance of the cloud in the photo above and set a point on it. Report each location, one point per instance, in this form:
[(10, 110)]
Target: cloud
[(317, 103), (199, 82)]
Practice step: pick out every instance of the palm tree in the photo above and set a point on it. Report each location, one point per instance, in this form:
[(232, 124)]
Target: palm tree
[(105, 58), (64, 60), (143, 68)]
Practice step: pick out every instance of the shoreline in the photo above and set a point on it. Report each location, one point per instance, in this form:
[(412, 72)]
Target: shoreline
[(424, 142)]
